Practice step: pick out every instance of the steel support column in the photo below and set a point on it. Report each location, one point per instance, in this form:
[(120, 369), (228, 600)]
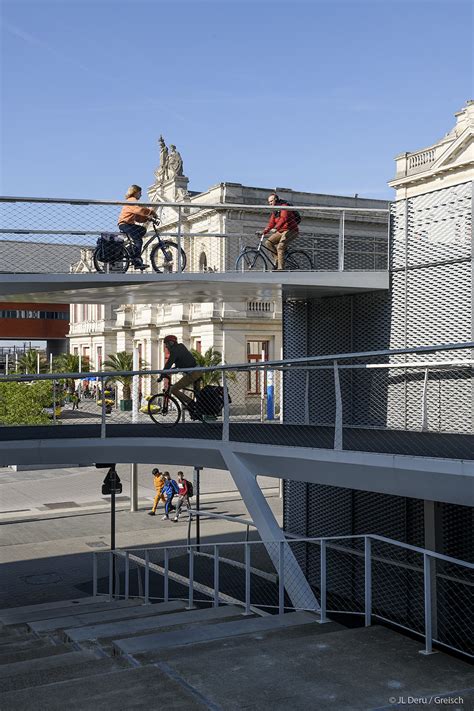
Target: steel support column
[(297, 587)]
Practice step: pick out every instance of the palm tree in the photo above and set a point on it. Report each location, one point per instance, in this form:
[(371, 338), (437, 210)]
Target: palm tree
[(69, 363), (211, 358), (28, 363), (122, 361)]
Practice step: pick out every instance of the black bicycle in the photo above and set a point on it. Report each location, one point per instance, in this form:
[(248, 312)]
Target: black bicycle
[(115, 253), (206, 404), (261, 258)]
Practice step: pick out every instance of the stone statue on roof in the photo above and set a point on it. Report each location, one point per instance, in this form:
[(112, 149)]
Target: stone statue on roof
[(162, 172), (175, 162)]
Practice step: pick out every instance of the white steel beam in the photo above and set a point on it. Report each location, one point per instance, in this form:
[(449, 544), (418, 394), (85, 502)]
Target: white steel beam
[(297, 587)]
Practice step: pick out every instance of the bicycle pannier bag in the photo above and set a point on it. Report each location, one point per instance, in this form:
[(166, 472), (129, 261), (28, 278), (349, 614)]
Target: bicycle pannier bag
[(110, 247), (210, 400)]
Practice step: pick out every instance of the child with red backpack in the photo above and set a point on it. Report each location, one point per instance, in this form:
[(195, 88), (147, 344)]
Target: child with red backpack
[(185, 491)]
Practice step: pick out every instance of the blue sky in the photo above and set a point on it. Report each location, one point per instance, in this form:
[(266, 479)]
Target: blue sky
[(317, 96)]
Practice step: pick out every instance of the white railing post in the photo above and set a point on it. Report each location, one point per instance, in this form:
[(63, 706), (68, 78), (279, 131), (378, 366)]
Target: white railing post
[(6, 364), (247, 579), (338, 414), (424, 403), (323, 583), (111, 576), (216, 576), (368, 580), (54, 401), (191, 579), (281, 578), (341, 245), (94, 574), (127, 575), (103, 409), (225, 424), (147, 578), (427, 562), (166, 594), (178, 240)]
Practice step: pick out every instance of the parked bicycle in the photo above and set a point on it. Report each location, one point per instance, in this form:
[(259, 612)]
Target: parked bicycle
[(206, 405), (114, 253), (262, 259)]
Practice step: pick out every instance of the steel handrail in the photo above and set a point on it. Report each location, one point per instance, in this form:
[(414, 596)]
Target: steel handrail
[(272, 364), (189, 204)]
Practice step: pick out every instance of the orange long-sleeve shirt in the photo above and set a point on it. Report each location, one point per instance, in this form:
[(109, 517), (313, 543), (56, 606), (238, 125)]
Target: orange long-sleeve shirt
[(134, 213)]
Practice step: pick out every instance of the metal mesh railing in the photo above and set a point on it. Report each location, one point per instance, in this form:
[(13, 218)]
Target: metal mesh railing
[(40, 235), (371, 577), (359, 402)]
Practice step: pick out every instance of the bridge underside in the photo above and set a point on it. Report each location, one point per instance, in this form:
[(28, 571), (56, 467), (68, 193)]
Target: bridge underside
[(184, 288), (445, 476)]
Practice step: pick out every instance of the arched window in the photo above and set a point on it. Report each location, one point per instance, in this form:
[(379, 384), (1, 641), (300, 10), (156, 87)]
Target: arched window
[(203, 262)]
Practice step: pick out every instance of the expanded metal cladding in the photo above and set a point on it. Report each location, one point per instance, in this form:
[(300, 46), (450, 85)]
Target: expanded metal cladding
[(429, 302)]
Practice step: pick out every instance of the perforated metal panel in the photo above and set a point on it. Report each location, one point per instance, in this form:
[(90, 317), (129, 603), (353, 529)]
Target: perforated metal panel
[(430, 302)]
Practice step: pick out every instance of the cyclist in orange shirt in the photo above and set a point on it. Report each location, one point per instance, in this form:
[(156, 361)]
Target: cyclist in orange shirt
[(130, 215)]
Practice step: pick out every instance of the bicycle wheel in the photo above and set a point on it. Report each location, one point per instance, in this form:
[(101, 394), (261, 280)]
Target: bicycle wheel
[(119, 265), (251, 260), (298, 260), (164, 410), (164, 258)]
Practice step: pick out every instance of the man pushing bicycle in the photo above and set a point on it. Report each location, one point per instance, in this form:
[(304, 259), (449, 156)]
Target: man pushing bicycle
[(180, 357)]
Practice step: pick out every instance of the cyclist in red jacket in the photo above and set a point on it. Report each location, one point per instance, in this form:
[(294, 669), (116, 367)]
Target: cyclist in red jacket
[(283, 227)]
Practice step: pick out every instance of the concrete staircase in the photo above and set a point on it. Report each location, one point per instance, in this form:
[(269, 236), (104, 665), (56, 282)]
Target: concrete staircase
[(95, 654)]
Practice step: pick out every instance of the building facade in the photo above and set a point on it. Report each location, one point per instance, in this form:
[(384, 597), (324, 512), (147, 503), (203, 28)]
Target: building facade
[(430, 302)]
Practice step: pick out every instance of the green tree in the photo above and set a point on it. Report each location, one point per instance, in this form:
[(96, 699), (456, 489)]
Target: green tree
[(24, 403), (122, 361), (28, 363), (211, 358)]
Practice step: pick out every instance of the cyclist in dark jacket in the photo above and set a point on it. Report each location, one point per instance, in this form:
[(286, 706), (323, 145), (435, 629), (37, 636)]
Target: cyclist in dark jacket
[(180, 357), (284, 228)]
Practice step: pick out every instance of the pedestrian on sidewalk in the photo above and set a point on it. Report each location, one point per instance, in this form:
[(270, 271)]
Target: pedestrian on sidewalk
[(169, 490), (75, 400), (183, 495), (159, 482)]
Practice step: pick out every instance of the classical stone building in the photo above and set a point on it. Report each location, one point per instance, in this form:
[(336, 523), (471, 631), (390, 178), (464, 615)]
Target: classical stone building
[(212, 239)]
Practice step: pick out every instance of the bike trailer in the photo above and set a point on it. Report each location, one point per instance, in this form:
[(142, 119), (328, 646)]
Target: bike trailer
[(109, 247), (210, 400)]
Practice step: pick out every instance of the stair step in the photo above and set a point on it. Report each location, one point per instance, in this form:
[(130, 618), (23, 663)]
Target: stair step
[(7, 640), (22, 644), (144, 687), (45, 663), (132, 627), (167, 640), (34, 653), (7, 612), (32, 615), (34, 678), (131, 612)]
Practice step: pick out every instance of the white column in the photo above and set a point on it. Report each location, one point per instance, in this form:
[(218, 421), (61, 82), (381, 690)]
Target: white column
[(297, 587)]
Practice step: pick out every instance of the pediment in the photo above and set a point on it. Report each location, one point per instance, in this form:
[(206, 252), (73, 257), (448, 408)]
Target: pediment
[(459, 152)]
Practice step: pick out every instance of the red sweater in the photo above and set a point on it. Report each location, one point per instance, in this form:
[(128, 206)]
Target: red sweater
[(182, 488), (281, 221)]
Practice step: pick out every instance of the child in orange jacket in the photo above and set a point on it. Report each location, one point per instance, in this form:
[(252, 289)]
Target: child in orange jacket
[(159, 482)]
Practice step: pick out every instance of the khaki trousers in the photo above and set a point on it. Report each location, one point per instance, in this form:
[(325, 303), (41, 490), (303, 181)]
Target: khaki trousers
[(281, 240), (185, 382)]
